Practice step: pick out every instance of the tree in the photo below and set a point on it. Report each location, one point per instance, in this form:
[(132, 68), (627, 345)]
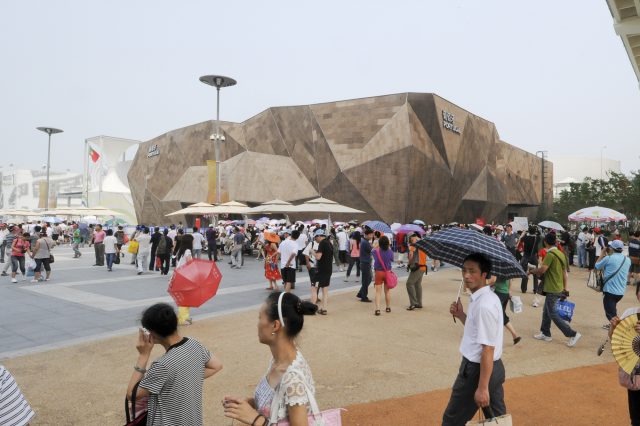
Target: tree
[(618, 192)]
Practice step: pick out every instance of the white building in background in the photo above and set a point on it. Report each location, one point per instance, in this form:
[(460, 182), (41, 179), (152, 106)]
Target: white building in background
[(567, 170), (106, 183), (20, 188)]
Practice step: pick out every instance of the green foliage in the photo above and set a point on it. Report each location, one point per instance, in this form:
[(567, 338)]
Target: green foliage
[(619, 192)]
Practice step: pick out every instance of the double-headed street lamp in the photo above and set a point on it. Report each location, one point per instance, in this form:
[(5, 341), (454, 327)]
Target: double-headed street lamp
[(50, 131), (217, 81)]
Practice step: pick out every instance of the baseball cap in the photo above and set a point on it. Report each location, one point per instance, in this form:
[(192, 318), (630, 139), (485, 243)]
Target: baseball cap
[(616, 245), (211, 225), (318, 233)]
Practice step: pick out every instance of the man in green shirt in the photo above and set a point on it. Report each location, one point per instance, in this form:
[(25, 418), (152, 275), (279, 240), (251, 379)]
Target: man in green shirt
[(554, 268), (77, 239)]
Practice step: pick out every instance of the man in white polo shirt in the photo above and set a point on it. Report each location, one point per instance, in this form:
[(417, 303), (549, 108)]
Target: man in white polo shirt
[(481, 374)]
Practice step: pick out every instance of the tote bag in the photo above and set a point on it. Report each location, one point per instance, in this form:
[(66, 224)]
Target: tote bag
[(565, 309), (390, 277)]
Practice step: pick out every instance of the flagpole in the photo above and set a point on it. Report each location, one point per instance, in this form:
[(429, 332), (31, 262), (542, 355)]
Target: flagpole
[(86, 174)]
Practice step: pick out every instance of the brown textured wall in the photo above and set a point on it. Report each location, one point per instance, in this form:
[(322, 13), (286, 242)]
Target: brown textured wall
[(391, 156)]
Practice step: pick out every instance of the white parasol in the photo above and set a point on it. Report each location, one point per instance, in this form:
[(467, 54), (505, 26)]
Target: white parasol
[(597, 214)]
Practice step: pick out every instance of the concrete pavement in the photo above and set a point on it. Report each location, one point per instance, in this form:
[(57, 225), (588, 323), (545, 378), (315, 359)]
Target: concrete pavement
[(84, 302)]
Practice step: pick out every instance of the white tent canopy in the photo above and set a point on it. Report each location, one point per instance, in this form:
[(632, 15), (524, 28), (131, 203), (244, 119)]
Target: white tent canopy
[(324, 205), (196, 209), (273, 206)]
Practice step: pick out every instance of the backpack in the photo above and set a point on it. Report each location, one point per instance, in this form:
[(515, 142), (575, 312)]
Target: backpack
[(162, 245)]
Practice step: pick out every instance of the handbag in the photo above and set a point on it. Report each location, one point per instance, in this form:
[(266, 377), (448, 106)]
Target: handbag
[(130, 411), (516, 304), (332, 417), (390, 277), (565, 309), (133, 247), (505, 420), (628, 381), (51, 258), (116, 259)]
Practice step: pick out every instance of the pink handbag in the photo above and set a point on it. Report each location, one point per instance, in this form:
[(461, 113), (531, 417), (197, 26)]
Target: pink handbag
[(390, 277), (331, 417)]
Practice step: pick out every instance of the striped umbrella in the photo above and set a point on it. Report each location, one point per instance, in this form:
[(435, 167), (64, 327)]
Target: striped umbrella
[(376, 225), (454, 244)]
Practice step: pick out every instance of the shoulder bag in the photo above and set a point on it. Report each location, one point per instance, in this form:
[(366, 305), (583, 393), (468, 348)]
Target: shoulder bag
[(131, 410), (600, 281), (331, 417), (51, 258), (390, 277)]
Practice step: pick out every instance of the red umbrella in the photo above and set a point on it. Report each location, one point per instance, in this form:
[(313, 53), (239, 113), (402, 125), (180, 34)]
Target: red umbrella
[(194, 283)]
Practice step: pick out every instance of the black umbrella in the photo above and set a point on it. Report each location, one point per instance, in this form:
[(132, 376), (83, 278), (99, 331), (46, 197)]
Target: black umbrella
[(454, 244)]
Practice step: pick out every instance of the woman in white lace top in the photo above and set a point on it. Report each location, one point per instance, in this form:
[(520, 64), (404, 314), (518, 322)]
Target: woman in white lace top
[(283, 392)]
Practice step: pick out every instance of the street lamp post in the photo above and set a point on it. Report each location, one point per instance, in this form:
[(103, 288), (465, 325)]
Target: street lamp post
[(601, 151), (217, 81), (49, 131)]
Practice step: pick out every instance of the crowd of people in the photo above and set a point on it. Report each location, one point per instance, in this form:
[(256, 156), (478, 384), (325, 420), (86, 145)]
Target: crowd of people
[(287, 389)]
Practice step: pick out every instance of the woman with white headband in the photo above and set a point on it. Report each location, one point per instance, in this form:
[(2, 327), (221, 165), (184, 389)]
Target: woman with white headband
[(283, 392)]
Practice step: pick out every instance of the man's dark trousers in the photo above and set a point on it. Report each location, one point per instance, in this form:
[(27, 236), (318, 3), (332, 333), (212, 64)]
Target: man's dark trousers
[(365, 270), (212, 250), (462, 406)]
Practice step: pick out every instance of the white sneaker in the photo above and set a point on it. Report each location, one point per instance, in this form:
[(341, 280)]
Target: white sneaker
[(34, 281), (13, 280), (24, 278), (535, 304), (572, 342), (542, 336)]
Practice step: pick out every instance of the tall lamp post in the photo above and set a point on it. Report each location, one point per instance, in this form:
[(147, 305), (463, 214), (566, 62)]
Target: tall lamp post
[(543, 156), (217, 81), (49, 131), (601, 160)]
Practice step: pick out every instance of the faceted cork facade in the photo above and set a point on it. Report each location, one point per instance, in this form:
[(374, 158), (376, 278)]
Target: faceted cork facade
[(397, 157)]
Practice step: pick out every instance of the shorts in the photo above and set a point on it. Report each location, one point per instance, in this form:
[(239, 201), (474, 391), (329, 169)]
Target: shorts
[(42, 262), (342, 255), (288, 275), (313, 276), (324, 280), (380, 278)]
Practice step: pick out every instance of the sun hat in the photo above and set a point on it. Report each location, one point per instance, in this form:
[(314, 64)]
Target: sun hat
[(318, 233)]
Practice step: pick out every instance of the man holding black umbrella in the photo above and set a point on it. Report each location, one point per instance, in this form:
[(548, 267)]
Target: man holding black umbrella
[(481, 375)]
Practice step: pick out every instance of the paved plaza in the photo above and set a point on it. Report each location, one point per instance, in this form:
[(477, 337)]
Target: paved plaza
[(84, 302), (400, 365)]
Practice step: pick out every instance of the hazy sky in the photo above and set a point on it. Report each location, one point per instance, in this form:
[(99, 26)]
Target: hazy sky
[(552, 75)]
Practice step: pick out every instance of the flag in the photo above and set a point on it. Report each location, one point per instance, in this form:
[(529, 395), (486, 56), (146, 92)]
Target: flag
[(94, 155)]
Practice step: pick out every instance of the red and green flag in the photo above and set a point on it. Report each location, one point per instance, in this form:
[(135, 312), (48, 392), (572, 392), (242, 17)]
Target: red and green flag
[(94, 155)]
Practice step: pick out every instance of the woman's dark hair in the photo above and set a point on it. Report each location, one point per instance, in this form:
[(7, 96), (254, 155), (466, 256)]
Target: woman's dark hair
[(483, 262), (165, 232), (37, 228), (384, 242), (293, 311), (161, 319), (109, 232), (357, 237)]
